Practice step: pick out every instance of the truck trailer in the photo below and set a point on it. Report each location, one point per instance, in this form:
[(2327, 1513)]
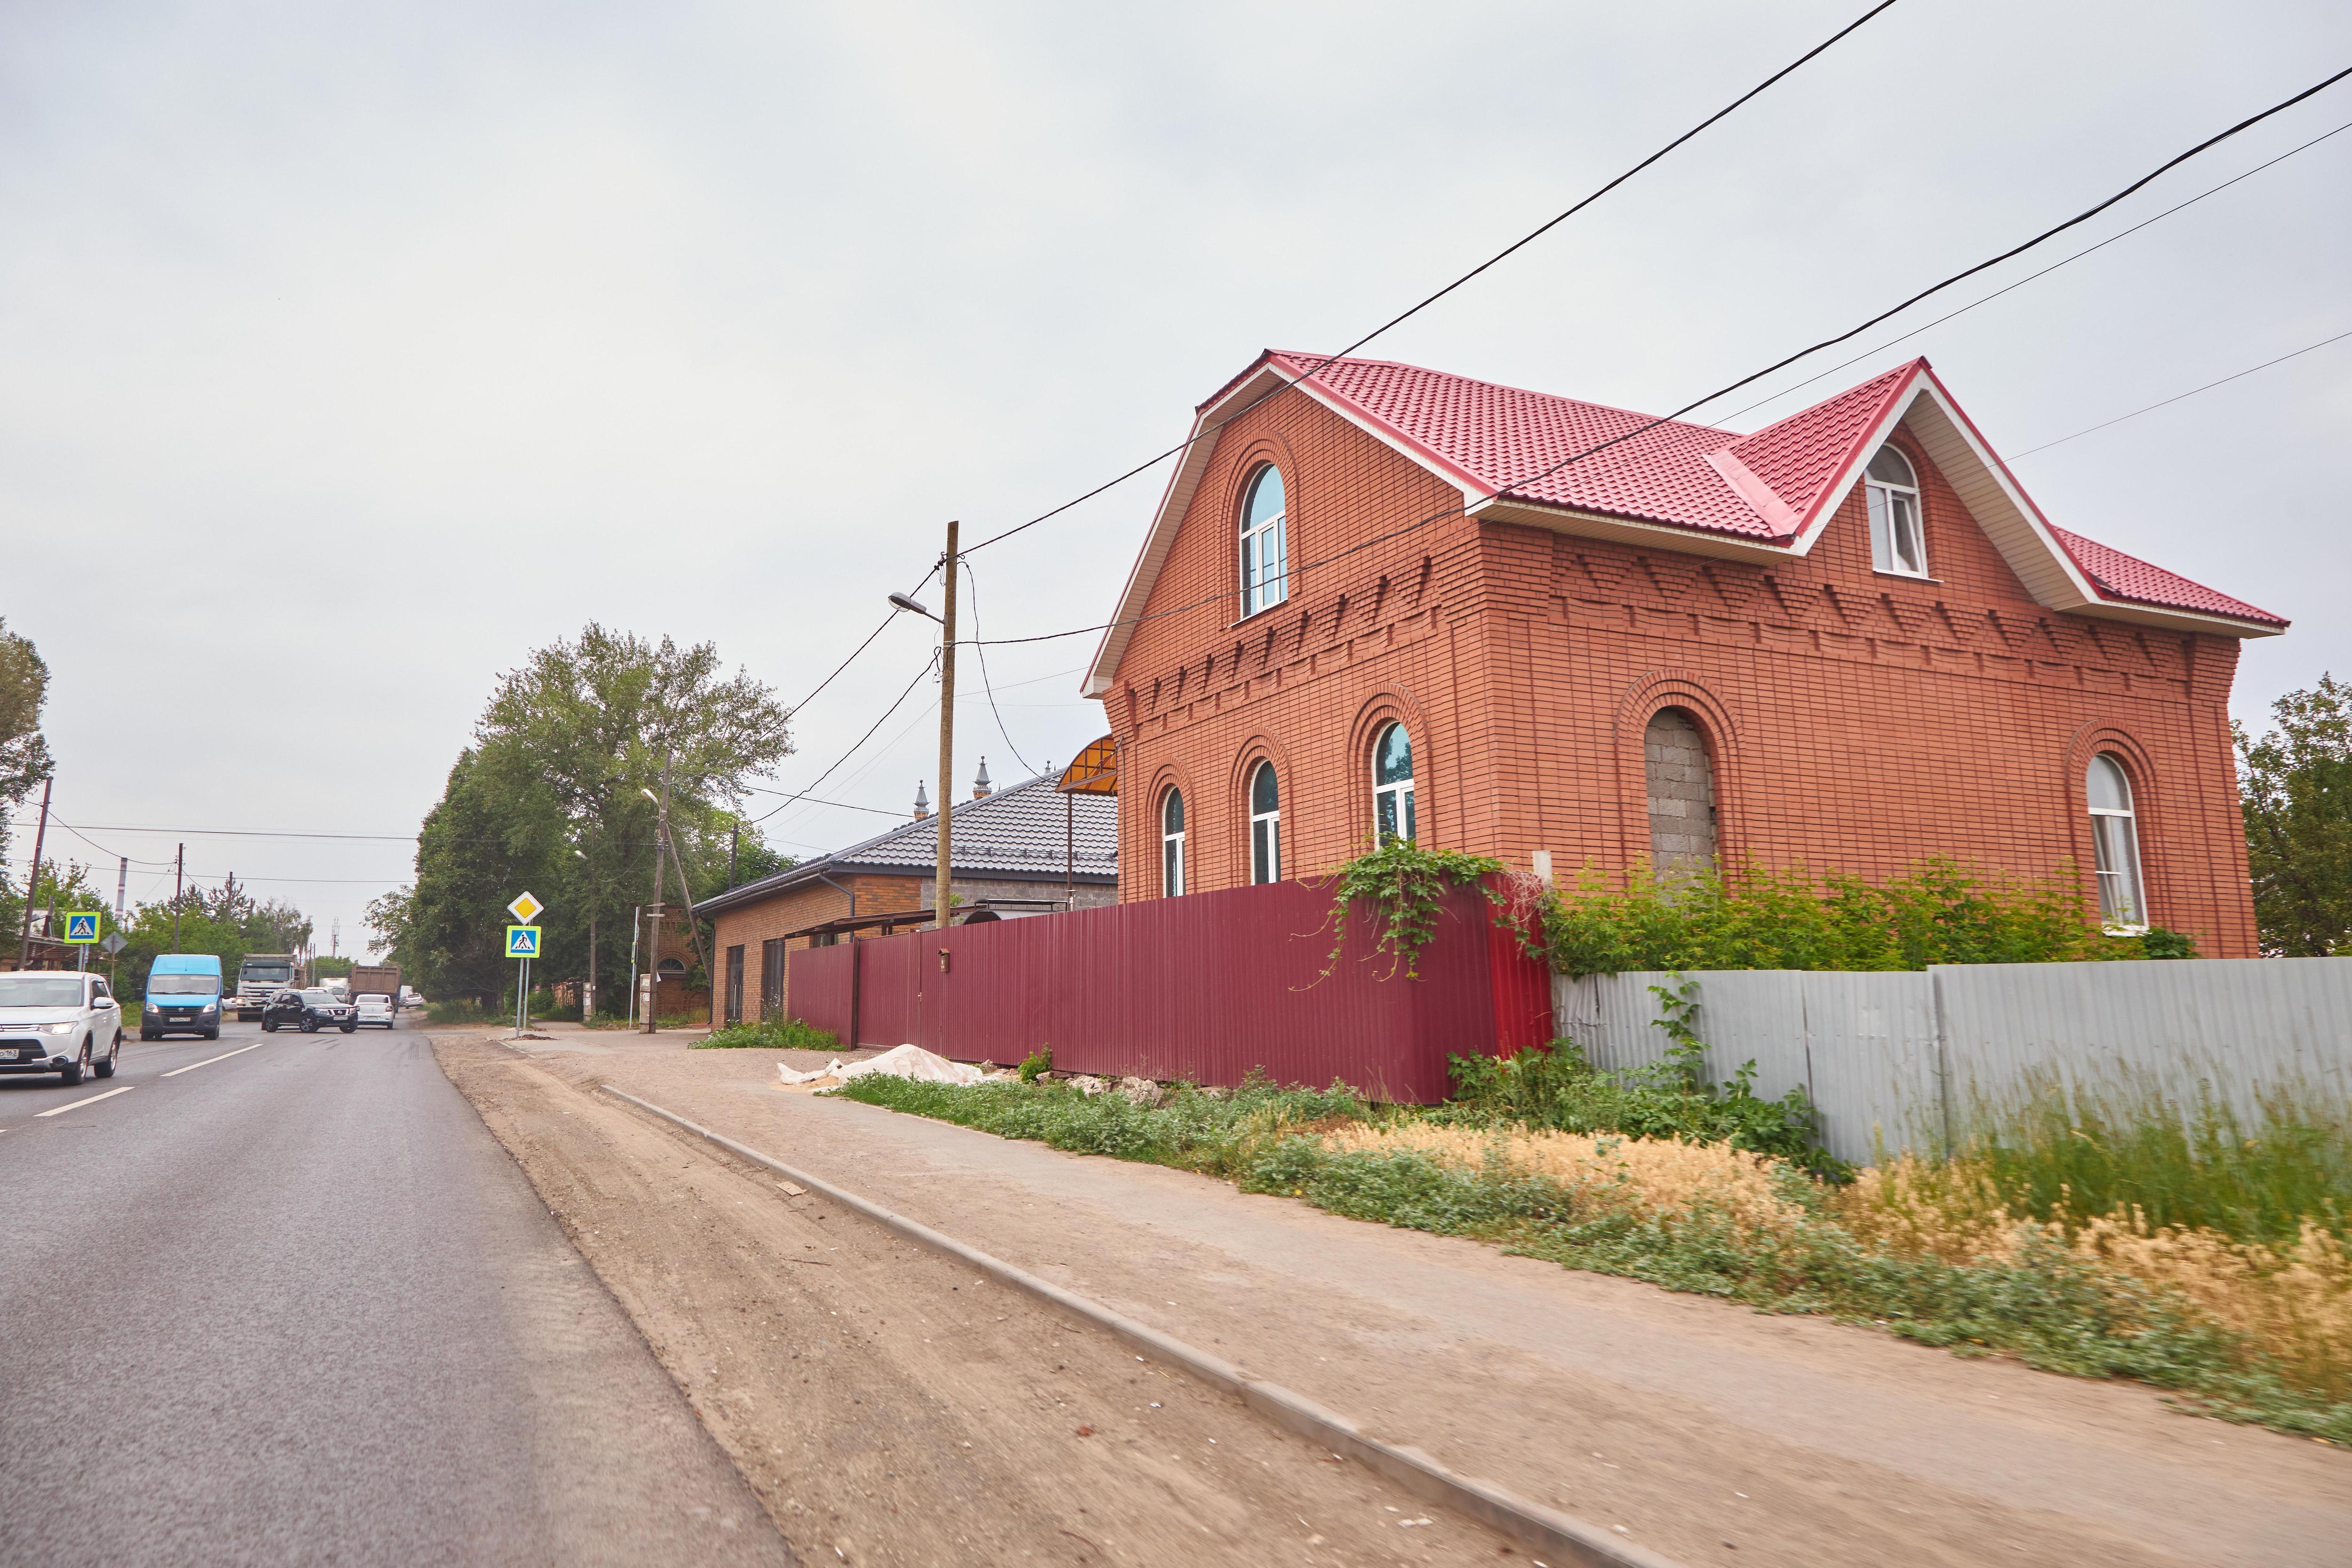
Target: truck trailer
[(376, 980)]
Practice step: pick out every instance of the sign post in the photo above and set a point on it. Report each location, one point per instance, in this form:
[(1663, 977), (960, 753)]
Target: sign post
[(81, 929), (522, 944)]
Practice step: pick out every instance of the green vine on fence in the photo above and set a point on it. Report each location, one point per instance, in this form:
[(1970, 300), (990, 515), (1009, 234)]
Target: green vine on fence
[(1406, 886)]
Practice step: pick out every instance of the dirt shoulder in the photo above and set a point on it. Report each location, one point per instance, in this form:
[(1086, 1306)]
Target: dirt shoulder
[(1688, 1422), (889, 1407)]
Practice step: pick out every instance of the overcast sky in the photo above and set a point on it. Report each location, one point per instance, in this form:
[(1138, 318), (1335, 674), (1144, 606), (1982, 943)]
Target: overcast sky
[(346, 354)]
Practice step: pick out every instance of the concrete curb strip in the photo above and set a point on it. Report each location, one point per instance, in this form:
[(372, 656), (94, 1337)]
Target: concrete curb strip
[(1567, 1539)]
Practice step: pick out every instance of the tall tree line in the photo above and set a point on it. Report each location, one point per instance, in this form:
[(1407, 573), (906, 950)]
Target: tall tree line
[(552, 796)]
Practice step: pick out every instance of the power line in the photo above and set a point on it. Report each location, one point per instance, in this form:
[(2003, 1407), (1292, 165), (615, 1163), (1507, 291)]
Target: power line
[(853, 750), (233, 833), (980, 647), (1404, 316), (1649, 425), (2178, 397), (2029, 277)]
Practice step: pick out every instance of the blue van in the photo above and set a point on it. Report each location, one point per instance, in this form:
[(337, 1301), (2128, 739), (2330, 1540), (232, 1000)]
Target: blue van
[(184, 996)]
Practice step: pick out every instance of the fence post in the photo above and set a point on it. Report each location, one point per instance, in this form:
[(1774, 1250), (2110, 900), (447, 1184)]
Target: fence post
[(857, 987), (1942, 1056)]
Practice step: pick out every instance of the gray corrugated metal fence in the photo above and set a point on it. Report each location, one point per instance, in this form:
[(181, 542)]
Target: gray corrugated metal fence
[(1901, 1058)]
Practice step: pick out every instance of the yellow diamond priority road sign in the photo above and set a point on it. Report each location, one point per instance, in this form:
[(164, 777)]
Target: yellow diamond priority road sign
[(525, 909)]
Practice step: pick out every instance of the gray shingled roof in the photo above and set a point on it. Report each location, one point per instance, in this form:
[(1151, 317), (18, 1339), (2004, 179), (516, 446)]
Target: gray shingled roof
[(1017, 831)]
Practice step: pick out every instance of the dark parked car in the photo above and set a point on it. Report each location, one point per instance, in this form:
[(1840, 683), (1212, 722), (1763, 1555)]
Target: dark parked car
[(309, 1010)]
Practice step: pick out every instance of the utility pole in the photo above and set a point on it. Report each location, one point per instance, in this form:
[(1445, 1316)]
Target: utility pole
[(32, 880), (734, 843), (940, 891), (664, 845), (179, 881), (122, 886), (653, 918), (637, 930)]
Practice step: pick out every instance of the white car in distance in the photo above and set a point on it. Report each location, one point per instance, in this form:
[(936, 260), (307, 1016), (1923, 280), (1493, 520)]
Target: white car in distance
[(375, 1008), (59, 1020)]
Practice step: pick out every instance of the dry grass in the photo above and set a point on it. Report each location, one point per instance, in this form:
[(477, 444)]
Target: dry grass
[(2295, 1303), (1644, 1176)]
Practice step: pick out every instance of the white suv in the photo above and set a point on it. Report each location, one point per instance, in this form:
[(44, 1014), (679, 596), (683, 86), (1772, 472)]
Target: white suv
[(61, 1021)]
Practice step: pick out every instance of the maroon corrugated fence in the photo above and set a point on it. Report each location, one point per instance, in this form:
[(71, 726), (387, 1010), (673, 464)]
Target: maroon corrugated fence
[(1203, 988)]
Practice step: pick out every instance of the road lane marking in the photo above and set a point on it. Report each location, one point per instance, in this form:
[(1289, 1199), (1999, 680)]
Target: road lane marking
[(92, 1099), (209, 1060)]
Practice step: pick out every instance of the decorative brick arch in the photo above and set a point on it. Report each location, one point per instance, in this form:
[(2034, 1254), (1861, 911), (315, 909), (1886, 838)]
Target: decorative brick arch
[(1171, 776), (1266, 448), (1259, 748), (2148, 813), (1380, 709), (1647, 695)]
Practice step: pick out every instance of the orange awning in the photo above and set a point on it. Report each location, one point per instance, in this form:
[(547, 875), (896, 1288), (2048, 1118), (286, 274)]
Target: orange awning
[(1094, 772)]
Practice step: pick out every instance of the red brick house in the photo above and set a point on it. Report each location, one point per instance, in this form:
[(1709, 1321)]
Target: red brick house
[(1849, 639), (1027, 850)]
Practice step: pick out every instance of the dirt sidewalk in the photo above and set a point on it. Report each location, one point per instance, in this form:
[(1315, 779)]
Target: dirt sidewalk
[(889, 1407), (1708, 1432)]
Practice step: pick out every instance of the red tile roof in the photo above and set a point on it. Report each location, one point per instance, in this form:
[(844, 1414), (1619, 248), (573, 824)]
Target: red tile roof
[(2126, 577), (1509, 441)]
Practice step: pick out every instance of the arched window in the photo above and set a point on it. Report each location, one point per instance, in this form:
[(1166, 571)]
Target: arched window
[(1265, 824), (1171, 845), (1897, 544), (2115, 844), (1392, 785), (1682, 795), (1266, 552)]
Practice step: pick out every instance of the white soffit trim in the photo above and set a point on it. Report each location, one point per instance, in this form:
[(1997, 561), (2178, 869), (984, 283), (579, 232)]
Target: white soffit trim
[(1173, 501), (1186, 479), (1632, 530), (2011, 521)]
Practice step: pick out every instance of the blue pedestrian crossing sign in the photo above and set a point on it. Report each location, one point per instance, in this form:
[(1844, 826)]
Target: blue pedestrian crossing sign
[(522, 942), (82, 926)]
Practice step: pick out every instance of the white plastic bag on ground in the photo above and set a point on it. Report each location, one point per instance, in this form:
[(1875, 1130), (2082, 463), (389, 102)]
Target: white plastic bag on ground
[(898, 1061)]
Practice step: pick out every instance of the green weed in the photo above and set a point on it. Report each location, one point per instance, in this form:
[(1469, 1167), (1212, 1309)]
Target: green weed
[(782, 1034)]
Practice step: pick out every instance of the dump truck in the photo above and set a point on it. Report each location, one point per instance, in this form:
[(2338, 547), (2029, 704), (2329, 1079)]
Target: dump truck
[(261, 976), (376, 980)]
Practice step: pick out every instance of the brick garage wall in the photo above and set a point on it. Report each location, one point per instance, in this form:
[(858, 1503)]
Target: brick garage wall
[(809, 903), (1854, 719)]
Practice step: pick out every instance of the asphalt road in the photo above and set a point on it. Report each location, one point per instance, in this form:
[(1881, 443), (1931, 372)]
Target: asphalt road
[(296, 1306)]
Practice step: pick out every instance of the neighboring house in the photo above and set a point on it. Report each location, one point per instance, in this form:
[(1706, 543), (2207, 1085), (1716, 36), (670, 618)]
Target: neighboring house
[(1027, 850), (1847, 640)]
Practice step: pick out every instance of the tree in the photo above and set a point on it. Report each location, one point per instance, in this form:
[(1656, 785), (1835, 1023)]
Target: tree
[(2295, 789), (480, 847), (550, 797), (23, 753)]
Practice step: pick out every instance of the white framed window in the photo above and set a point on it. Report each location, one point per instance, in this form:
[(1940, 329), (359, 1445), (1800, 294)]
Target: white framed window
[(2115, 845), (1392, 785), (1171, 845), (1265, 548), (1265, 824), (1897, 544)]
